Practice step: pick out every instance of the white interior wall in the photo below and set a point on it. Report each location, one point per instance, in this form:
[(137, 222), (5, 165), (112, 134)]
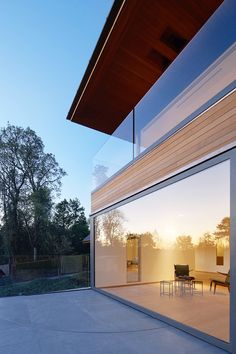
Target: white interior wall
[(158, 264), (110, 264), (205, 260), (155, 264)]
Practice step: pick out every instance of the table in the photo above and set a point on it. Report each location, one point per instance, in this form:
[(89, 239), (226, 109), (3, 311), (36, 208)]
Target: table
[(195, 289), (166, 287), (183, 287)]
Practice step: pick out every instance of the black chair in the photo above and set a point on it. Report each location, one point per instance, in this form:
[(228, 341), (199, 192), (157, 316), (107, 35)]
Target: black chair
[(225, 283), (182, 272)]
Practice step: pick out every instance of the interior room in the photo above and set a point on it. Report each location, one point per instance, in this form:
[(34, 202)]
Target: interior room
[(165, 250)]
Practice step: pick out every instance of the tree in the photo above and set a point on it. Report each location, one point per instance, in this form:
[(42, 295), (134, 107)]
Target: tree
[(184, 242), (44, 181), (223, 229), (78, 232), (57, 241), (36, 215), (12, 182), (62, 217), (29, 178), (157, 241), (69, 218), (79, 227), (3, 247), (111, 228), (207, 240)]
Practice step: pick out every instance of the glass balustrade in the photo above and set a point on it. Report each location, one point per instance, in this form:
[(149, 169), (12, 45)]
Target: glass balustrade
[(202, 74), (117, 151)]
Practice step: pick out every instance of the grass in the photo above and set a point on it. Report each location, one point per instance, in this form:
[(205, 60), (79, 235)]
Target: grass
[(43, 285)]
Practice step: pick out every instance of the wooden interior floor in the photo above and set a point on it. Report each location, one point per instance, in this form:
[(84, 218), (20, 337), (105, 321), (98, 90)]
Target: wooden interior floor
[(208, 313)]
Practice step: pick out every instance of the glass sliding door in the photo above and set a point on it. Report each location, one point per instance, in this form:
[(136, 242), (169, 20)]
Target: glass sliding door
[(186, 223)]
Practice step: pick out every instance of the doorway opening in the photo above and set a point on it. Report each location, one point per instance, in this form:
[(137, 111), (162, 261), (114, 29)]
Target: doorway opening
[(133, 258)]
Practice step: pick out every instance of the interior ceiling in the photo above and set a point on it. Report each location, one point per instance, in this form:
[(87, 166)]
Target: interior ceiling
[(146, 38)]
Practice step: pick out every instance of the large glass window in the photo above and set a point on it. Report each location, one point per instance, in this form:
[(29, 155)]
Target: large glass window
[(186, 224)]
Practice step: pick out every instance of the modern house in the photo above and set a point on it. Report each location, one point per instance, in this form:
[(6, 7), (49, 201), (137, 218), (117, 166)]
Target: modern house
[(161, 83)]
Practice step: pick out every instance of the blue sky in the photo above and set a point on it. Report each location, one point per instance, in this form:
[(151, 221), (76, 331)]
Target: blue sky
[(45, 47)]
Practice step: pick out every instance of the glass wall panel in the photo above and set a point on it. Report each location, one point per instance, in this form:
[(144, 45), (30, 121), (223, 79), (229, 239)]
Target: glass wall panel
[(33, 274), (115, 153), (186, 226), (201, 74), (202, 70)]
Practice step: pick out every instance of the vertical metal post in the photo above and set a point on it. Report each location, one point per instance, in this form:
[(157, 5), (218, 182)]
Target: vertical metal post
[(233, 251), (92, 253), (134, 140)]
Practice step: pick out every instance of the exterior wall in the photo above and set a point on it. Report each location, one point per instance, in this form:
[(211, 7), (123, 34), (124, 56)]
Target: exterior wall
[(208, 133)]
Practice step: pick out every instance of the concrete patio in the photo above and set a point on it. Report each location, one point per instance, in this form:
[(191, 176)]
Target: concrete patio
[(87, 322)]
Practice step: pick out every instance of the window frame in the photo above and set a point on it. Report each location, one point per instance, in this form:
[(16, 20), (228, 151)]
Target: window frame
[(224, 156)]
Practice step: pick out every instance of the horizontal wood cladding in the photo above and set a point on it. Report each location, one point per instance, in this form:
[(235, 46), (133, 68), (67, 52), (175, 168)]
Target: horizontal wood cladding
[(210, 132)]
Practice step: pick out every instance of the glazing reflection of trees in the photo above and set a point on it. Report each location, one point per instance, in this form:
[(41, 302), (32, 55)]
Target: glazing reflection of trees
[(223, 230), (207, 240), (100, 174), (153, 239), (109, 227), (184, 242)]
